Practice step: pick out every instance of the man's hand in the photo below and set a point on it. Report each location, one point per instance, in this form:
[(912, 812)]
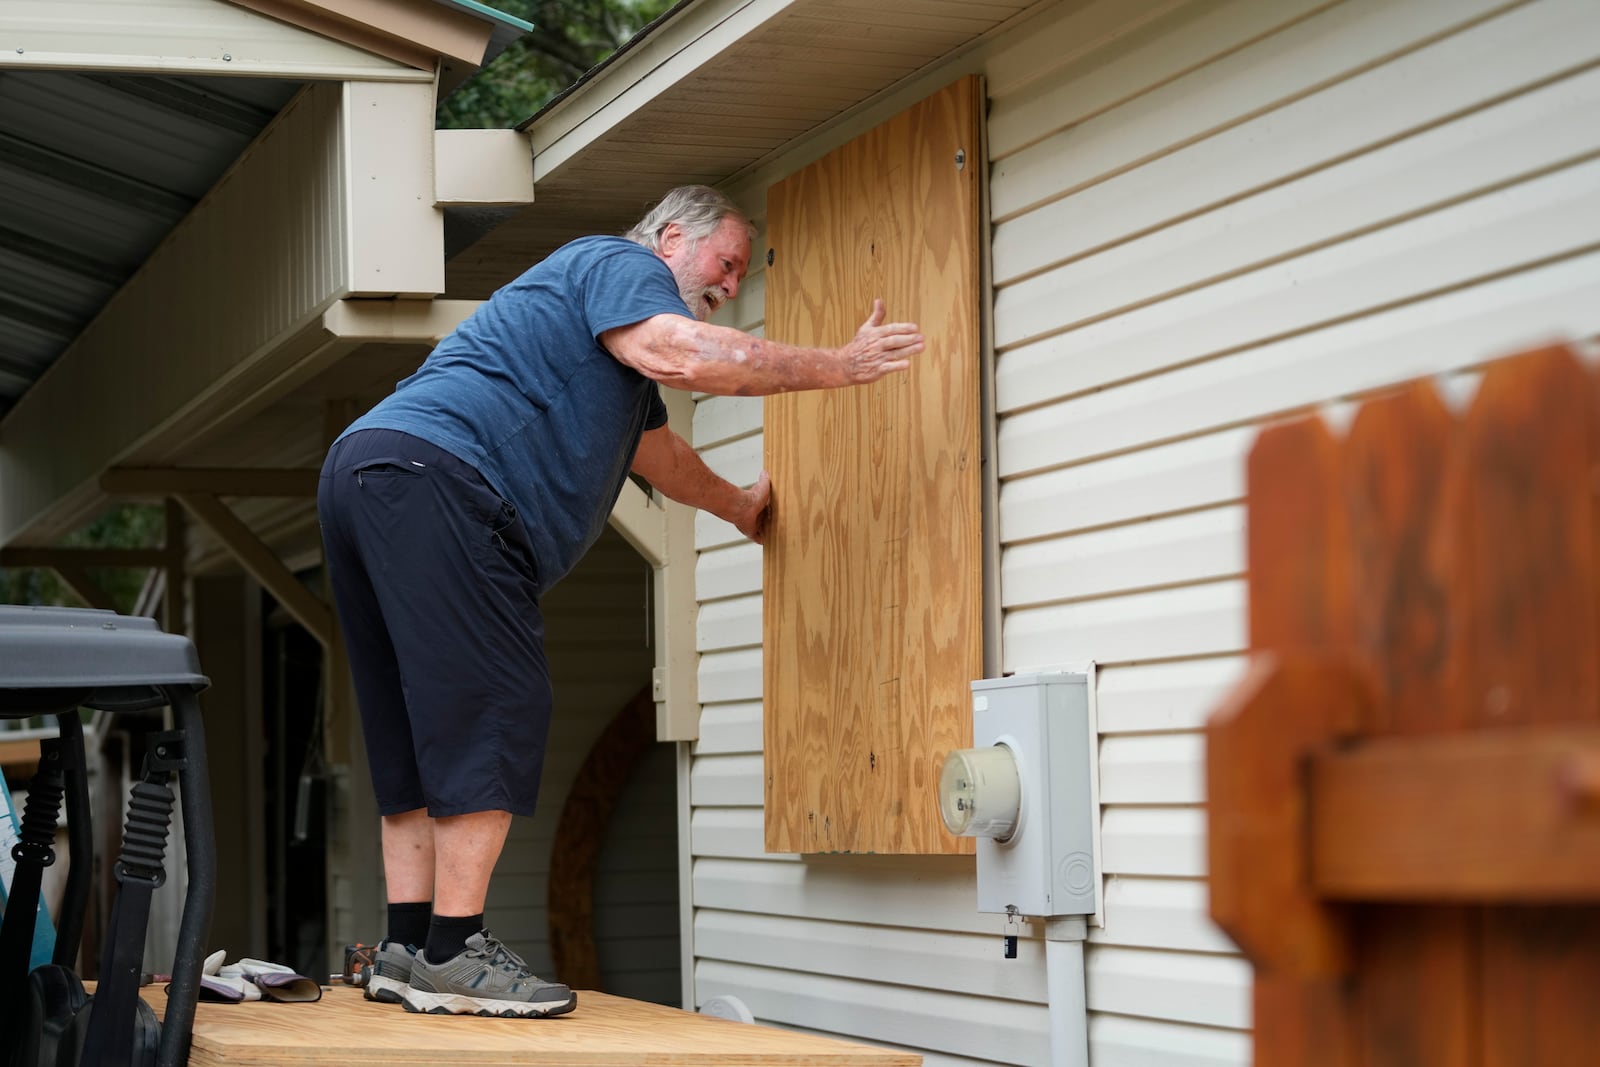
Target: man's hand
[(670, 464), (753, 509), (879, 348)]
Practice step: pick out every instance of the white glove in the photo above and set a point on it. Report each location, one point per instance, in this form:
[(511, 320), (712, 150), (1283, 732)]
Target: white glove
[(250, 979)]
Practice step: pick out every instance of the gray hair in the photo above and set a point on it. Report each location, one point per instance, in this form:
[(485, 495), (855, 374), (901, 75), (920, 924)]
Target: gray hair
[(697, 209)]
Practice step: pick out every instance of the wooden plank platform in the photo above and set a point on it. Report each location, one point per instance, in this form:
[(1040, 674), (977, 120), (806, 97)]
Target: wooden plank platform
[(19, 758), (605, 1031)]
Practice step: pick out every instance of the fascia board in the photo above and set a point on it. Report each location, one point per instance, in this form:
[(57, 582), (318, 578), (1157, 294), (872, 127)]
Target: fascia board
[(181, 37), (415, 32)]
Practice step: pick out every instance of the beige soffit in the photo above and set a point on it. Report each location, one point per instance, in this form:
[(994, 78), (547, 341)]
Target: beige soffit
[(725, 67), (683, 44), (182, 37), (715, 91)]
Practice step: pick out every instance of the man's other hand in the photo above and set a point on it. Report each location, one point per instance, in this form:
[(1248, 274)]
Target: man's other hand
[(754, 509)]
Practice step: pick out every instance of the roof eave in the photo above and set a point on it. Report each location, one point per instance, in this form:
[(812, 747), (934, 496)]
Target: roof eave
[(420, 33)]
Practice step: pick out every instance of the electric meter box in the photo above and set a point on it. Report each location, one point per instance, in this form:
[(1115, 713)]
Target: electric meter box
[(1046, 867)]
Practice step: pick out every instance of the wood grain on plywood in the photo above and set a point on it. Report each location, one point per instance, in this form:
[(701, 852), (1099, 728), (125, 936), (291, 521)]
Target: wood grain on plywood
[(872, 571)]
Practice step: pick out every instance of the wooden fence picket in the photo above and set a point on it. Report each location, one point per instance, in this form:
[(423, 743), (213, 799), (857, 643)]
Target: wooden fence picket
[(1404, 791)]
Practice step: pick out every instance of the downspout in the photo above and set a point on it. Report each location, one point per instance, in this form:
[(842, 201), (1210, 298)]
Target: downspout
[(1067, 1002)]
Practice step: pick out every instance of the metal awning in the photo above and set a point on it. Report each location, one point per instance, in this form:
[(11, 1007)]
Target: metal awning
[(113, 127), (95, 170)]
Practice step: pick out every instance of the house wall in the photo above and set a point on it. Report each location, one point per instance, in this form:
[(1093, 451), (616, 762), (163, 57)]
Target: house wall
[(1205, 216), (227, 639), (598, 649)]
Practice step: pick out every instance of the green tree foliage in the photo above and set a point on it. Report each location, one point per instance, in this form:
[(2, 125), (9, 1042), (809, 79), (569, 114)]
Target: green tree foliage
[(568, 38), (125, 526)]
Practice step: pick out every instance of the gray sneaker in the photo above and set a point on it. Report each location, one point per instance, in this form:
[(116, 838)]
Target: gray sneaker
[(485, 979), (391, 972)]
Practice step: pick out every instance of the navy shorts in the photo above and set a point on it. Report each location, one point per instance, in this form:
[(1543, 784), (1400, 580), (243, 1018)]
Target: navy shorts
[(438, 599)]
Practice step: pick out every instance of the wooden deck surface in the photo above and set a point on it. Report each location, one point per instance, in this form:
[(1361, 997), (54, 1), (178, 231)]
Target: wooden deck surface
[(605, 1031)]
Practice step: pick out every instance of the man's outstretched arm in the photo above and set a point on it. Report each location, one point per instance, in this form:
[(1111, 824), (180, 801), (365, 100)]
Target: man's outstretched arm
[(687, 354), (671, 464)]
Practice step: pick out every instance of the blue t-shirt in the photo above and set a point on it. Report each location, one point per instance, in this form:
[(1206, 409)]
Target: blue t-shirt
[(525, 393)]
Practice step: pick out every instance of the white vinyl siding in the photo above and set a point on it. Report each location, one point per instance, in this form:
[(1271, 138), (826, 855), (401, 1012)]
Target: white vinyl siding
[(1206, 216)]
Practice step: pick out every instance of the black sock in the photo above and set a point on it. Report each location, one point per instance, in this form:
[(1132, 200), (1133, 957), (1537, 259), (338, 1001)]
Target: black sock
[(408, 922), (447, 935)]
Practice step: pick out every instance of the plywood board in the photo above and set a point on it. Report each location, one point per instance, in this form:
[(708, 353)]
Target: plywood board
[(604, 1031), (872, 572)]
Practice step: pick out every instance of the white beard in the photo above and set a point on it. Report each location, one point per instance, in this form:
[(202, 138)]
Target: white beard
[(702, 300)]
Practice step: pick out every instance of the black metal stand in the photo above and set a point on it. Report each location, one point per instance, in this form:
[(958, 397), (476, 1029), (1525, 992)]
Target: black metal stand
[(194, 791), (52, 662)]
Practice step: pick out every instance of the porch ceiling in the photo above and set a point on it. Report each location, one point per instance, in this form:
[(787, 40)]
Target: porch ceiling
[(95, 169), (730, 110), (116, 119)]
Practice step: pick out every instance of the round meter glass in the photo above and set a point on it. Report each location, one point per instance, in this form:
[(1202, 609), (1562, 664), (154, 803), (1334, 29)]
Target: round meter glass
[(980, 793)]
